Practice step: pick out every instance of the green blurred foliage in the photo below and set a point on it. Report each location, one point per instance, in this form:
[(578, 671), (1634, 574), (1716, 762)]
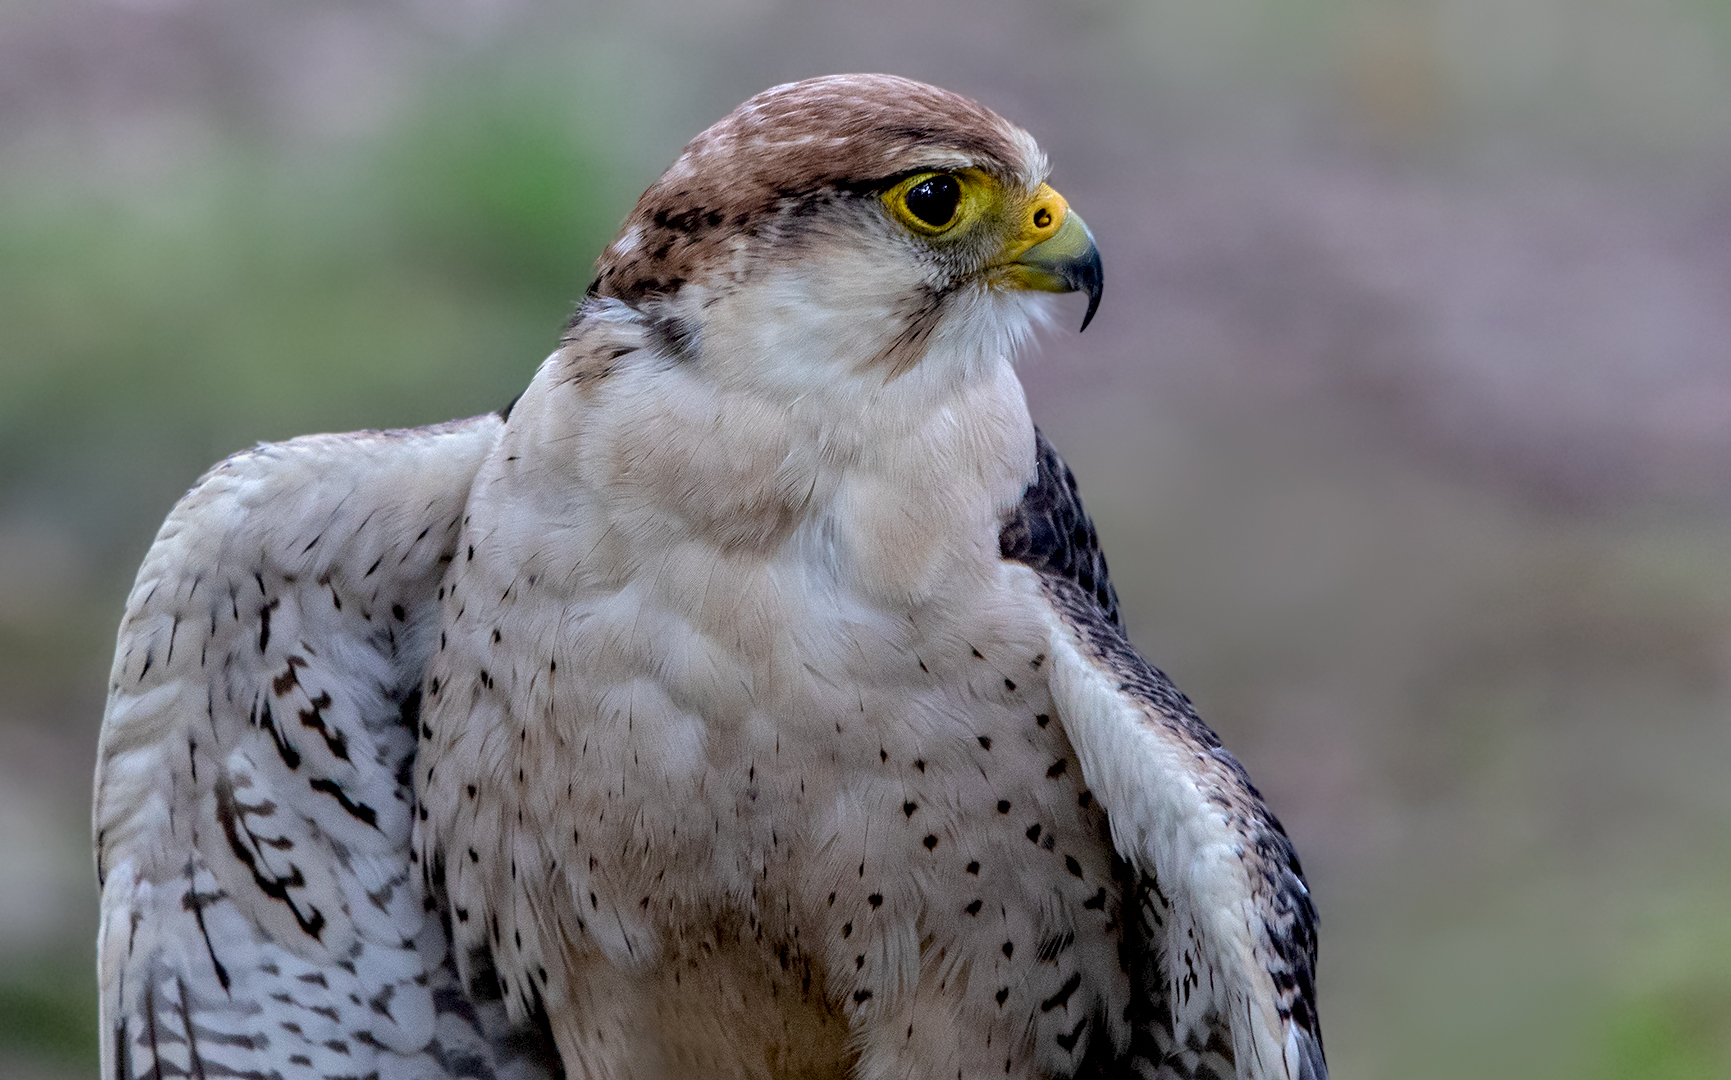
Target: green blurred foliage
[(258, 293), (1672, 1036), (1666, 1015), (48, 1012)]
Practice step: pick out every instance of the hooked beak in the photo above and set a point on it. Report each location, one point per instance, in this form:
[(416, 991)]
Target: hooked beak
[(1068, 262), (1058, 260)]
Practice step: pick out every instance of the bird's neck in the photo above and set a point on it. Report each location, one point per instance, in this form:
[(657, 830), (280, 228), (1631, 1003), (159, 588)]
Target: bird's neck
[(887, 488)]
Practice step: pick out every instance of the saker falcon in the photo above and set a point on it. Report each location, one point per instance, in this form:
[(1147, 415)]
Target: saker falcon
[(749, 700)]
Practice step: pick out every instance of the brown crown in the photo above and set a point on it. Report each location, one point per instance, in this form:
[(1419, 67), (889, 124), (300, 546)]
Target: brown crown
[(791, 146)]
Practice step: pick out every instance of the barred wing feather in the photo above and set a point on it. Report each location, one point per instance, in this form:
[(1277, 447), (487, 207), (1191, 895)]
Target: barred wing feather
[(260, 913)]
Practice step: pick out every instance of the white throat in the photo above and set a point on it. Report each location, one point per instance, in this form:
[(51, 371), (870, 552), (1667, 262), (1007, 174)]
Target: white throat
[(775, 451)]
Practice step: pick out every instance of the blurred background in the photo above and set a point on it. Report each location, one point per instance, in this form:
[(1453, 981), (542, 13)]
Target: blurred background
[(1406, 419)]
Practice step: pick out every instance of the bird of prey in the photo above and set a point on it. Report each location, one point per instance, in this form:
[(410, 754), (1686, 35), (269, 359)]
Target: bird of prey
[(748, 700)]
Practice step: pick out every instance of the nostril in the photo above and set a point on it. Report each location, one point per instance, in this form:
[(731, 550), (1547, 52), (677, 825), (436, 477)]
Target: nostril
[(1042, 218)]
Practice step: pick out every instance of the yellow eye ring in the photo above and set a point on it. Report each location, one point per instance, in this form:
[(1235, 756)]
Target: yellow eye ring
[(933, 203)]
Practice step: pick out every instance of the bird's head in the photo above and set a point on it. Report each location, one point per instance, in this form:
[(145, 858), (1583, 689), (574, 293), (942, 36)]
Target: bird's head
[(853, 227)]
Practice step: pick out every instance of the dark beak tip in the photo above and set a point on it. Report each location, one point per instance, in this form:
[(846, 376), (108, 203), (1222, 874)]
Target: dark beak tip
[(1091, 277), (1093, 306)]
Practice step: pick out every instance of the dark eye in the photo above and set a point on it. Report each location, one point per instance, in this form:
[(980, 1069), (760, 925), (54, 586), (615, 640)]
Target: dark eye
[(934, 200)]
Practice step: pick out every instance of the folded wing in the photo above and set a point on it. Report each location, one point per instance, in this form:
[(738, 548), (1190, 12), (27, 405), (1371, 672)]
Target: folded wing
[(260, 913), (1227, 944)]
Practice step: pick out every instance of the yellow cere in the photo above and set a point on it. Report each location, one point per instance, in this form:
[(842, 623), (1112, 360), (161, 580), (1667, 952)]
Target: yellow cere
[(1041, 221)]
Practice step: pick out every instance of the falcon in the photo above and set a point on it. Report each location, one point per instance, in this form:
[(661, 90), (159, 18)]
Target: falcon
[(748, 700)]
